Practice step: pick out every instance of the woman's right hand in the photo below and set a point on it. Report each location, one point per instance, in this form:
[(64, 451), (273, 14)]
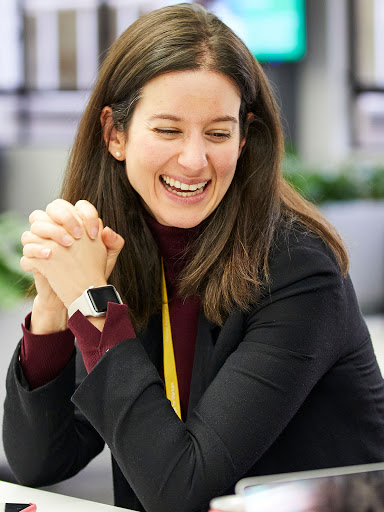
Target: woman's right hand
[(48, 312), (63, 223), (83, 216)]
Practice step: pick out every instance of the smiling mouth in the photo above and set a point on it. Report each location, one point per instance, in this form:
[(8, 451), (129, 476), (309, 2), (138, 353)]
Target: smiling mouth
[(183, 189)]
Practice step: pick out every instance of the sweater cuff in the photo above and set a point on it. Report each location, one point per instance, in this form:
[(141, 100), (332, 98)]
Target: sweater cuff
[(92, 343), (44, 356)]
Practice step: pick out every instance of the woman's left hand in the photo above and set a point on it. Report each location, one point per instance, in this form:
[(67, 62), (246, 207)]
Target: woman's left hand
[(69, 269), (83, 218)]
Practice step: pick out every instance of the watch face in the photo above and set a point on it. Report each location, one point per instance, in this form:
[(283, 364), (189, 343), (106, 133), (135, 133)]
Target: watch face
[(101, 296)]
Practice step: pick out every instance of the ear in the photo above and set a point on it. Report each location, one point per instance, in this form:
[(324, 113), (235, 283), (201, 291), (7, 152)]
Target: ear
[(242, 142), (114, 140), (250, 117)]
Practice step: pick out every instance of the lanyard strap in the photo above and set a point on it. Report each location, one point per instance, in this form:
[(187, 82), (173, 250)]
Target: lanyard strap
[(170, 374)]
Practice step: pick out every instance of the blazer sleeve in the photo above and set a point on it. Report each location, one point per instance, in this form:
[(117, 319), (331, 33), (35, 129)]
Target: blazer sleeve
[(46, 438), (283, 352)]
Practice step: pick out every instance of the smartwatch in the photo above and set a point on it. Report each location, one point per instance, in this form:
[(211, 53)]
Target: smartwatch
[(94, 301)]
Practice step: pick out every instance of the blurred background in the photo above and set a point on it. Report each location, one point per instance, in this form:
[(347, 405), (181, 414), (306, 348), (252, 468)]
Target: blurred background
[(325, 59)]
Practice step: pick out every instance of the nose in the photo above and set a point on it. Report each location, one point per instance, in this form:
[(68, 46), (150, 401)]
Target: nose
[(193, 154)]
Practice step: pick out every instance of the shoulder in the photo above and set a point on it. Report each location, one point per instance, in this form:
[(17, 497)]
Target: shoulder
[(298, 254), (307, 304), (306, 288)]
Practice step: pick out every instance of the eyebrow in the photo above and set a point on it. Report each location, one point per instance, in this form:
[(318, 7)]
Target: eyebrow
[(171, 117)]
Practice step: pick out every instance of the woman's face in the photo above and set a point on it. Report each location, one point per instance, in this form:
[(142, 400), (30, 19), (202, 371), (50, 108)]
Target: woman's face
[(183, 144)]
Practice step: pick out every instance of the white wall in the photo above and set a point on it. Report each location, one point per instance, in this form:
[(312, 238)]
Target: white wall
[(323, 90), (32, 177)]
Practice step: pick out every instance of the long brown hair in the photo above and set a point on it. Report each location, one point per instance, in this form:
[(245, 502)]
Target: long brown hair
[(229, 262)]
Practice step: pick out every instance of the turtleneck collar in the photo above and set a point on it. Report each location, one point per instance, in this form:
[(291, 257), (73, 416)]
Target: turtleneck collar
[(173, 245)]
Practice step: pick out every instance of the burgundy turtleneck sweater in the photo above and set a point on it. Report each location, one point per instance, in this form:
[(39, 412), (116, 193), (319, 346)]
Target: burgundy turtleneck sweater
[(42, 361)]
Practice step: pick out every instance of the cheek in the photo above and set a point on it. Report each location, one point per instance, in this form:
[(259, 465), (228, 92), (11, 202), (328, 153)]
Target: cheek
[(142, 162), (152, 154), (226, 166)]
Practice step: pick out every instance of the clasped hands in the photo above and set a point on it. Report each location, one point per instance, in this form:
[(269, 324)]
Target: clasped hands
[(67, 249)]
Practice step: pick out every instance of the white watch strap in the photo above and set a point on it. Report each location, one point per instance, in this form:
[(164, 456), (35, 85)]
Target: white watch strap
[(80, 304)]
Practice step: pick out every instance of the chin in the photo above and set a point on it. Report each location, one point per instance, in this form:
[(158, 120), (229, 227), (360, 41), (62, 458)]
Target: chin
[(180, 222)]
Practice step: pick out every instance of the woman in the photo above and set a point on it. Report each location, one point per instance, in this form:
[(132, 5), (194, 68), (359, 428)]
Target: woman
[(179, 154)]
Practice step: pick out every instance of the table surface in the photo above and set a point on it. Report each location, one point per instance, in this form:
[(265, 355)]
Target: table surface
[(49, 501)]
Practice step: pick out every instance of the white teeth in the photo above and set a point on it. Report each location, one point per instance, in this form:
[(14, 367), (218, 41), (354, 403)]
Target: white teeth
[(183, 194), (183, 186)]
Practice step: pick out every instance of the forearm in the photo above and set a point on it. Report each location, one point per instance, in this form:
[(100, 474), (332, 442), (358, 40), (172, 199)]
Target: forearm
[(44, 356), (169, 464), (95, 336), (43, 439), (46, 319)]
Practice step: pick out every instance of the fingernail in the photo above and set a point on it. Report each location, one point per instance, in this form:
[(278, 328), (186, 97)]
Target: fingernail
[(67, 240), (45, 253), (77, 232), (94, 232), (112, 233)]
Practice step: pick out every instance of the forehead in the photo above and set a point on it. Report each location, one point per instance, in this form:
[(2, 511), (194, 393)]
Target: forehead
[(190, 94)]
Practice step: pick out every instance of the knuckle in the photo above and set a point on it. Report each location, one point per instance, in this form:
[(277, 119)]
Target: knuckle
[(41, 228), (35, 215), (24, 235), (57, 202), (81, 203), (58, 208), (25, 264), (86, 209), (36, 226)]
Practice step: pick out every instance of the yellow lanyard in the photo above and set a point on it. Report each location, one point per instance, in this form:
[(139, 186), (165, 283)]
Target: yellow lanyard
[(170, 374)]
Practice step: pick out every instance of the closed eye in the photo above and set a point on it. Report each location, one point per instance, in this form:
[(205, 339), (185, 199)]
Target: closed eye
[(166, 131), (220, 135), (217, 136)]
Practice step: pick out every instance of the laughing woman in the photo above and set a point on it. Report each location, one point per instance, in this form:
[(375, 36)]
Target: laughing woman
[(218, 326)]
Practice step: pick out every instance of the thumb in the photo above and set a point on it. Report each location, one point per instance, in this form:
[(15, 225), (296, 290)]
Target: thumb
[(114, 243)]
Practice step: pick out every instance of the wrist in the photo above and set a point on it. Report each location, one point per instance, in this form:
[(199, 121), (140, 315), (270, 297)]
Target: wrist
[(96, 283), (94, 301), (46, 319)]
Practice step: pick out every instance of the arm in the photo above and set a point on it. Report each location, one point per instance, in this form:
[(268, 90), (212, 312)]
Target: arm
[(39, 420), (285, 350), (39, 355), (59, 227), (46, 439)]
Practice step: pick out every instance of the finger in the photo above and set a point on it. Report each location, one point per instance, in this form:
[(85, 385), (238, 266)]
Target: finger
[(112, 240), (39, 215), (29, 264), (114, 243), (26, 264), (29, 237), (89, 216), (34, 250), (64, 213), (51, 231)]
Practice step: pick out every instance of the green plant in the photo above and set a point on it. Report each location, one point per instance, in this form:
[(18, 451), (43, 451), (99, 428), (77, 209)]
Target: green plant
[(341, 184), (14, 283)]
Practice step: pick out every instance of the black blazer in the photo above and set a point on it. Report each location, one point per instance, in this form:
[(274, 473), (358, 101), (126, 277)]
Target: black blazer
[(291, 385)]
